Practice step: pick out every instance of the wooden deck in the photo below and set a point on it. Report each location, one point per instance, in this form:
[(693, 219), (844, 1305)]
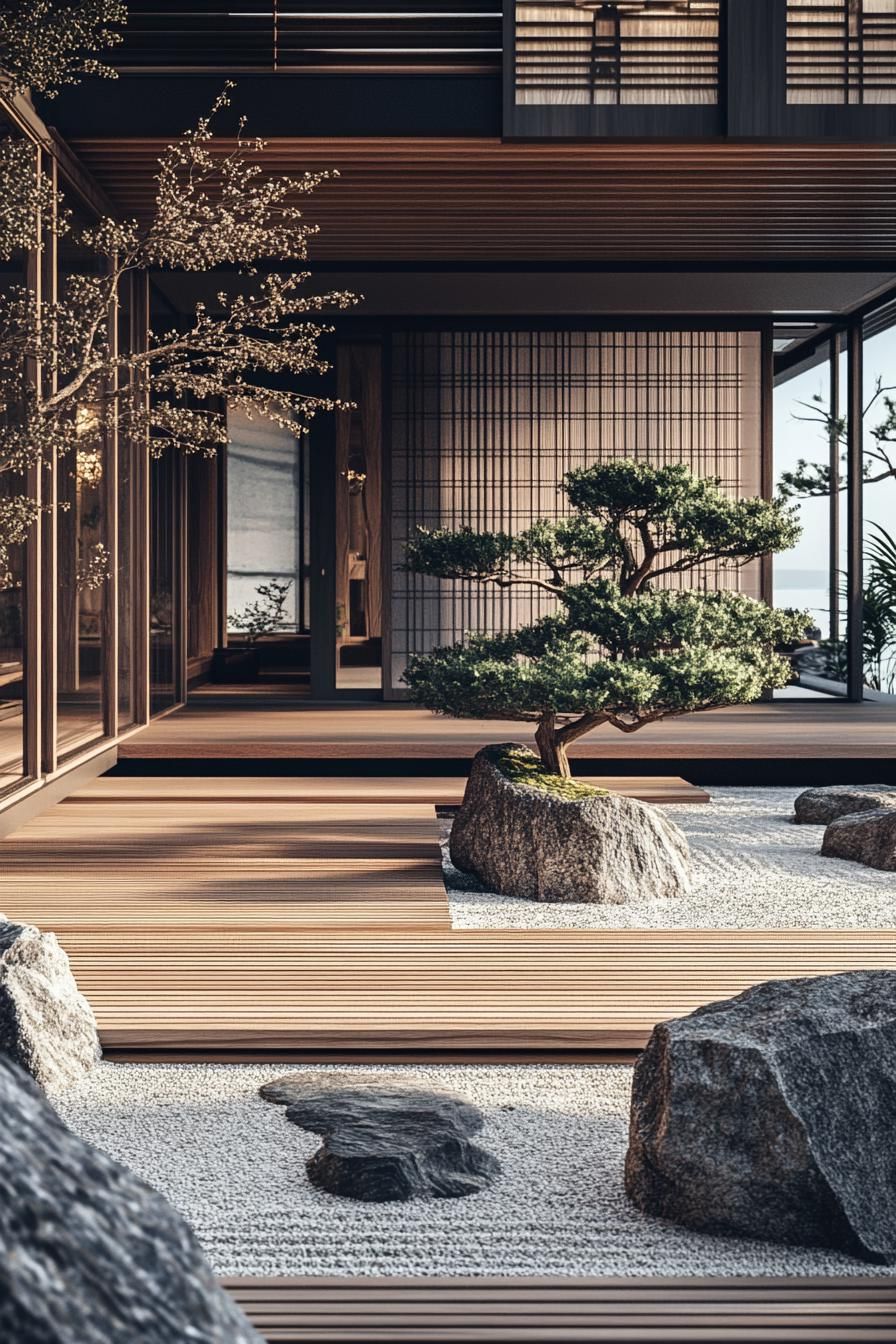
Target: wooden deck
[(548, 1311), (221, 923), (861, 737)]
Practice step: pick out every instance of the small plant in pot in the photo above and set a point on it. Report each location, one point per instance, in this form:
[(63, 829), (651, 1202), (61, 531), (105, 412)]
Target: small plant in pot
[(263, 617), (618, 650)]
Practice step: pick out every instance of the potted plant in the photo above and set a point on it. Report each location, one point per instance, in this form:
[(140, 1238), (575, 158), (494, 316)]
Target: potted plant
[(258, 620)]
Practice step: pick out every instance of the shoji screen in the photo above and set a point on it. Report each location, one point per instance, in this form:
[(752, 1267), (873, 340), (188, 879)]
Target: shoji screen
[(485, 424)]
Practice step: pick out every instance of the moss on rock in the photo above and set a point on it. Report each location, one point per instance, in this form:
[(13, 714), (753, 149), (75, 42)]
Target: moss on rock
[(521, 766)]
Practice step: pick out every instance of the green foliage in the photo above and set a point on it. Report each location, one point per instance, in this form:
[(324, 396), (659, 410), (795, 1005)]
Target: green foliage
[(667, 620), (520, 766), (463, 554), (618, 649), (681, 512)]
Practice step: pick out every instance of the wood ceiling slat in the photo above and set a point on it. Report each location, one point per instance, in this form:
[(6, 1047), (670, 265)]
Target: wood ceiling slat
[(481, 199)]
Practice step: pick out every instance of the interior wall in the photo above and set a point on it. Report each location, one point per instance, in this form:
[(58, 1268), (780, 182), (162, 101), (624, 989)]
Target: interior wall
[(484, 425)]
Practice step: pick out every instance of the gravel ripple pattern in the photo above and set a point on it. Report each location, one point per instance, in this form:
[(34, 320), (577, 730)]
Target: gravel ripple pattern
[(753, 868), (233, 1166)]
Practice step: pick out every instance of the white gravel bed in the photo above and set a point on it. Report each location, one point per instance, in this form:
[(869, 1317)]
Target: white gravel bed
[(753, 868), (233, 1165)]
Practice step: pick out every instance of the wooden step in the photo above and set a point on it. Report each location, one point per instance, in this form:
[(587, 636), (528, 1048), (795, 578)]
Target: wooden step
[(487, 1310)]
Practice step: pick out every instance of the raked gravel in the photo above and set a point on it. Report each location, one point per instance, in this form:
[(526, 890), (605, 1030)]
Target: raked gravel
[(753, 868), (233, 1165)]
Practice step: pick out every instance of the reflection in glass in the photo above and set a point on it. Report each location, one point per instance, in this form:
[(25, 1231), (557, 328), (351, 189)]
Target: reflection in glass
[(82, 551), (161, 582), (879, 505), (358, 520), (808, 448), (12, 594)]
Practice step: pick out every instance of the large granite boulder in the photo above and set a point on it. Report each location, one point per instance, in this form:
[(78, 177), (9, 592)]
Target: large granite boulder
[(771, 1116), (46, 1026), (384, 1140), (557, 840), (865, 837), (819, 807), (91, 1255)]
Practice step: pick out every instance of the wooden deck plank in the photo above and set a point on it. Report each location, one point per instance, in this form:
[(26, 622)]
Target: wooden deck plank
[(227, 866), (362, 1310), (477, 990), (778, 730), (434, 790), (216, 923)]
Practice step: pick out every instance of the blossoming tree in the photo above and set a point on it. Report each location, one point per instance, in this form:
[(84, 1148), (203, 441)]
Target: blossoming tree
[(62, 377)]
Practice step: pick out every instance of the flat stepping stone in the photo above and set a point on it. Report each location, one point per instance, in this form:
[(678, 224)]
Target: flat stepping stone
[(819, 807), (865, 837), (384, 1140)]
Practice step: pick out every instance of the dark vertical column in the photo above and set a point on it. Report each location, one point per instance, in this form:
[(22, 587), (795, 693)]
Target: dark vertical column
[(834, 497), (109, 616), (755, 67), (179, 577), (386, 512), (766, 447), (854, 564), (220, 628), (323, 540), (40, 585), (140, 542)]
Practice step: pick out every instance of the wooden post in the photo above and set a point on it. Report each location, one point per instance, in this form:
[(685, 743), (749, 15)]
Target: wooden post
[(855, 671), (39, 486), (834, 497), (109, 497), (140, 540)]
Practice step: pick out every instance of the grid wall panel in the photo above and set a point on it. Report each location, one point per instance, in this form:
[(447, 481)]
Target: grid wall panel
[(484, 425), (841, 51), (623, 53)]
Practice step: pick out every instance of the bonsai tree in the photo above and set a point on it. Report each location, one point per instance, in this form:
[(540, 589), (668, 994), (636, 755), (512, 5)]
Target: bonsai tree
[(266, 615), (620, 649)]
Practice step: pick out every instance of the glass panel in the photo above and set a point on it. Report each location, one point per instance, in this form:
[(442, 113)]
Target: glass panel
[(161, 583), (267, 552), (81, 538), (359, 590), (810, 576), (13, 274), (126, 534), (879, 508)]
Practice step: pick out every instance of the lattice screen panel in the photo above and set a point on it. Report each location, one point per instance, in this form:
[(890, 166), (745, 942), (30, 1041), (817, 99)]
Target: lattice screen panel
[(485, 424), (625, 52), (841, 51)]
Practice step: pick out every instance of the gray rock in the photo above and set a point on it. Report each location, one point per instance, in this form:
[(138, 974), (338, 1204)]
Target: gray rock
[(91, 1255), (524, 841), (771, 1116), (46, 1026), (818, 807), (384, 1140), (866, 837)]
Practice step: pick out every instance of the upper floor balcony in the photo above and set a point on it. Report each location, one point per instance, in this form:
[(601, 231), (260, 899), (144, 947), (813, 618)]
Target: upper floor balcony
[(805, 70), (742, 68)]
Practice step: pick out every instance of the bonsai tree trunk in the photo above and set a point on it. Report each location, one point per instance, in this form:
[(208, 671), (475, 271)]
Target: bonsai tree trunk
[(553, 742), (552, 747)]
